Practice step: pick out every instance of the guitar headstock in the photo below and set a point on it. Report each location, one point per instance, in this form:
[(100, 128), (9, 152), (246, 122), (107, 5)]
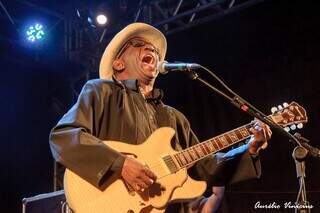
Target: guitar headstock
[(289, 116)]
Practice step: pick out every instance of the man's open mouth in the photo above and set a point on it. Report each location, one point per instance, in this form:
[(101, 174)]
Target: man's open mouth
[(148, 59)]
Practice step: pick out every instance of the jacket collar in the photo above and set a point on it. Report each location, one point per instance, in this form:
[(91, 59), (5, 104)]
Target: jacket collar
[(132, 84)]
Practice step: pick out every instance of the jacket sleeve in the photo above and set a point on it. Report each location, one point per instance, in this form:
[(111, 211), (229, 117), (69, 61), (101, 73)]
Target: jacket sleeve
[(73, 140), (221, 169)]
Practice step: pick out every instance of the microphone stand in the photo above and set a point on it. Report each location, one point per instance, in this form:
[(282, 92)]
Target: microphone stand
[(300, 152), (299, 155), (243, 105)]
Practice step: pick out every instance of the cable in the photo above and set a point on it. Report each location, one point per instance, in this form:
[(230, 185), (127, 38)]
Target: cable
[(230, 90)]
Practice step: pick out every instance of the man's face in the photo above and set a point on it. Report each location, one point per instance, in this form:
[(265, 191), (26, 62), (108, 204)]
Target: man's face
[(140, 59)]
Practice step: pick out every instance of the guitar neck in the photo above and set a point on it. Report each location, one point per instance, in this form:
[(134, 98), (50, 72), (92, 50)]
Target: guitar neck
[(290, 114), (201, 150)]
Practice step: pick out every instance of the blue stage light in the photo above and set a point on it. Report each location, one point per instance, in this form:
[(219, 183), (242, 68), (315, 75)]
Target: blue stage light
[(35, 33)]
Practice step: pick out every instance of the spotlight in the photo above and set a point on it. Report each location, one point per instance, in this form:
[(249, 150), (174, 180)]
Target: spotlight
[(35, 32), (101, 19)]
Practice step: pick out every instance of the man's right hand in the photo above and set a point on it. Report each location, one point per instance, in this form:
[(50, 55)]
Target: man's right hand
[(137, 175)]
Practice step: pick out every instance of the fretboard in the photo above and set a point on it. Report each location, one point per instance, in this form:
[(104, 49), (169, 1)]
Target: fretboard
[(201, 150), (291, 114)]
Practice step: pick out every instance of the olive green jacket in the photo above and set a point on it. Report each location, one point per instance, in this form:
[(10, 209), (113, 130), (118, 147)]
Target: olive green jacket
[(114, 110)]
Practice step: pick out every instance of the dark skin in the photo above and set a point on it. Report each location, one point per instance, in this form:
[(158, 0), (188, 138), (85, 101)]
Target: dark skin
[(132, 64)]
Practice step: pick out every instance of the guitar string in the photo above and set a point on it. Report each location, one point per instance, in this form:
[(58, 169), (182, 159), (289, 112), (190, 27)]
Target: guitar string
[(210, 140), (246, 126), (159, 164)]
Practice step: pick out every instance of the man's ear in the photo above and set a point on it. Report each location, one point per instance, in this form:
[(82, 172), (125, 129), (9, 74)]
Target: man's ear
[(118, 65)]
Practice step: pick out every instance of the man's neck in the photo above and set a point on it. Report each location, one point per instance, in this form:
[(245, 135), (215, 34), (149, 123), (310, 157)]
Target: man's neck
[(146, 89)]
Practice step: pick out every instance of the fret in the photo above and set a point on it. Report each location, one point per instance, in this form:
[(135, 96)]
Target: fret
[(238, 133), (205, 148), (210, 146), (233, 137), (217, 143), (187, 156), (199, 150), (182, 159), (227, 137), (214, 143), (193, 153), (223, 140), (244, 132), (178, 160)]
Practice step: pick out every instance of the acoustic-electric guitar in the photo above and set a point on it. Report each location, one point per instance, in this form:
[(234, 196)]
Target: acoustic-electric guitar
[(170, 166)]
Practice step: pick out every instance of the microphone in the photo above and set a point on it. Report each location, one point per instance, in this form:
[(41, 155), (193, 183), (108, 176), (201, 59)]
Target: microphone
[(315, 152), (164, 67)]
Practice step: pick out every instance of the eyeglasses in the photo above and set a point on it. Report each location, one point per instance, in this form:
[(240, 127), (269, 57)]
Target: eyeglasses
[(137, 43)]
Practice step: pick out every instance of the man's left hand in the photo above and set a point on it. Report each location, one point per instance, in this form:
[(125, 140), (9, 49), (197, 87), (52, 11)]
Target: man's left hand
[(261, 134)]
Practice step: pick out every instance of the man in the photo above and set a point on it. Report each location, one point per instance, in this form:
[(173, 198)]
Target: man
[(124, 106)]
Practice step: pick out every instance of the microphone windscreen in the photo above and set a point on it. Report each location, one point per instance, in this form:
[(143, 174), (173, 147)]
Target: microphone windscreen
[(161, 67)]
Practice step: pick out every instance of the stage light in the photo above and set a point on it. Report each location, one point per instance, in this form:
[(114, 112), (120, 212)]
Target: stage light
[(35, 33), (101, 19)]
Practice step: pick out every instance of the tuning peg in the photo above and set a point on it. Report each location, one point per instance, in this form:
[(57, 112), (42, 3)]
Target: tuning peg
[(293, 127), (285, 104), (280, 107), (300, 125), (287, 129), (274, 109)]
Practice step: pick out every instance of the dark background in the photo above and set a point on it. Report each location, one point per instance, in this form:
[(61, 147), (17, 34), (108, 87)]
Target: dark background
[(268, 53)]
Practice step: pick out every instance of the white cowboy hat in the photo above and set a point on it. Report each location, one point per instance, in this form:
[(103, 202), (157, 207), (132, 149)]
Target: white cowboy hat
[(142, 30)]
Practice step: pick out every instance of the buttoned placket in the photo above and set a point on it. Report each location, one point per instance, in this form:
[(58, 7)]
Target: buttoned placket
[(150, 111)]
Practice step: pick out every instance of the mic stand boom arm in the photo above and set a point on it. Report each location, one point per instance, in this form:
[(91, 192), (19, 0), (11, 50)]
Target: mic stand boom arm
[(245, 106), (299, 152)]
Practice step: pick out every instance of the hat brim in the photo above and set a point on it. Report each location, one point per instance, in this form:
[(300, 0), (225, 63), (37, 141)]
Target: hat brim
[(142, 30)]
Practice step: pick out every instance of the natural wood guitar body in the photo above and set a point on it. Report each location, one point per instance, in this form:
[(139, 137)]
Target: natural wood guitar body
[(82, 197), (173, 183)]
